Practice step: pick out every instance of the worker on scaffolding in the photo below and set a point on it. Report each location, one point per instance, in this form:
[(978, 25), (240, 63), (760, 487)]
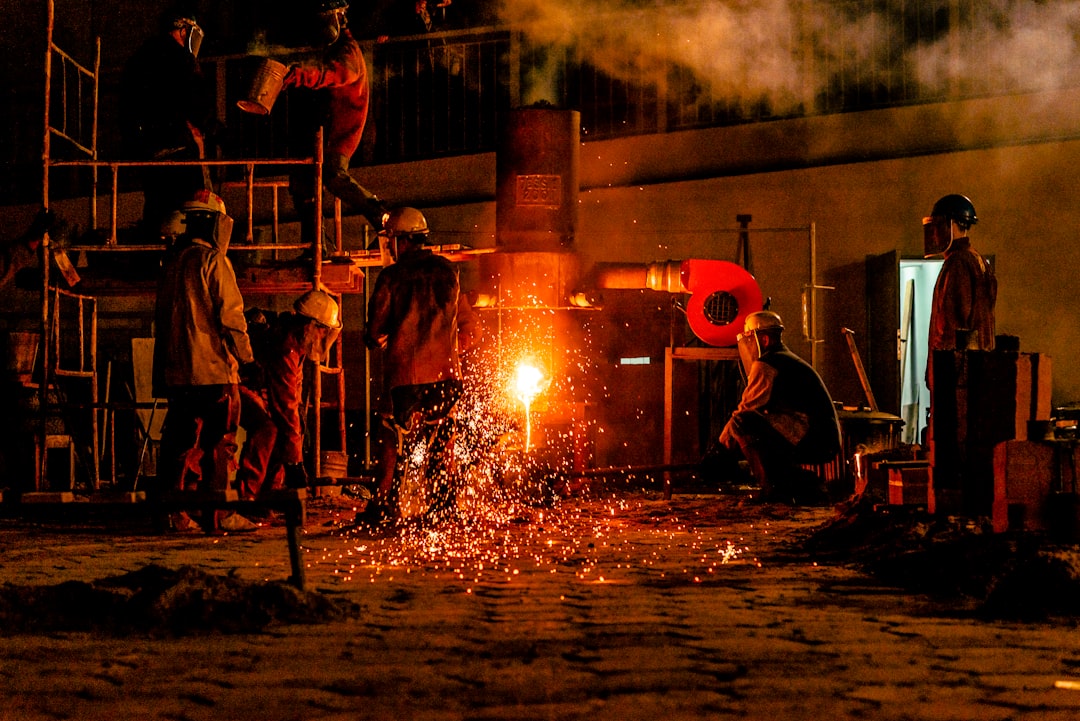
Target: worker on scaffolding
[(201, 341), (420, 318), (166, 109), (331, 90), (785, 418), (271, 394)]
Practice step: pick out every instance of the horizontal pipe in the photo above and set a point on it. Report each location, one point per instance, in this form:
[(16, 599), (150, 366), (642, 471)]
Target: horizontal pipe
[(662, 276)]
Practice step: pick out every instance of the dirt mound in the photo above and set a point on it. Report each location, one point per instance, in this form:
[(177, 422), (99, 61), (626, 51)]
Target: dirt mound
[(157, 601), (1015, 576)]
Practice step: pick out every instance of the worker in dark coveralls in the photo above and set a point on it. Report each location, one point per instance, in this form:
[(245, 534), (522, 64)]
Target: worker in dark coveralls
[(330, 89), (166, 108), (271, 396), (420, 318), (966, 290), (200, 342), (785, 417)]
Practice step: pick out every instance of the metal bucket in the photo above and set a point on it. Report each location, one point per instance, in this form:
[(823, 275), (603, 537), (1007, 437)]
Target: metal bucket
[(334, 464), (266, 83)]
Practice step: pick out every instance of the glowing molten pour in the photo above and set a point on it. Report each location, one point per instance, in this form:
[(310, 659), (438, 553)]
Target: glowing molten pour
[(528, 383)]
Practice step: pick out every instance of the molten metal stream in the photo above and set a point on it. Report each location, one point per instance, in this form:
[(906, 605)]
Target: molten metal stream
[(528, 383)]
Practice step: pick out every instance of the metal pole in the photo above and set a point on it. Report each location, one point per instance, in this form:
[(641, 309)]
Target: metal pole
[(316, 282), (668, 403), (44, 254), (368, 429), (813, 296)]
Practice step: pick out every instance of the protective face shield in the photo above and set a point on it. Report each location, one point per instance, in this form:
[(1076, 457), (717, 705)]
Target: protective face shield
[(403, 223), (205, 217), (194, 33), (331, 19), (216, 228), (763, 321), (937, 227), (318, 340), (195, 38), (937, 235)]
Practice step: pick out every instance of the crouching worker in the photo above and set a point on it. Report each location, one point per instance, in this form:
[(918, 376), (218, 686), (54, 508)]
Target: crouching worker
[(785, 417), (419, 316), (271, 395)]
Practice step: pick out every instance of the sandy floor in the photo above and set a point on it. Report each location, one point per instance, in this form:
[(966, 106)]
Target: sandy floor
[(624, 607)]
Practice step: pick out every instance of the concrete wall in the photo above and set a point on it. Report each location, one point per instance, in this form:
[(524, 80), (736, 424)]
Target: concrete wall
[(864, 181)]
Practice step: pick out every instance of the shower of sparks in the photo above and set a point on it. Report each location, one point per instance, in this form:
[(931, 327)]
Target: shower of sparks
[(511, 521), (599, 542)]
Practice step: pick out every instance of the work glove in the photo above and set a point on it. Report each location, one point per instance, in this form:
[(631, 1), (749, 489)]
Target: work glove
[(295, 475)]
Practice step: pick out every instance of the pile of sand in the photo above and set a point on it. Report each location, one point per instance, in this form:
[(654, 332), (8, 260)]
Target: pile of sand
[(157, 601)]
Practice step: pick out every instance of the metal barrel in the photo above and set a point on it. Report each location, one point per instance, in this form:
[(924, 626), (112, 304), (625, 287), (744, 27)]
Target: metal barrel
[(266, 83)]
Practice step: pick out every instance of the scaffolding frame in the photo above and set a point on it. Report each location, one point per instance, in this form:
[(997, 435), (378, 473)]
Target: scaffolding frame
[(86, 144)]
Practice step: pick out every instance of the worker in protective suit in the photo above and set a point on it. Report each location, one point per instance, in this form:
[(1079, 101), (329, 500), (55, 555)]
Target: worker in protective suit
[(271, 395), (201, 341), (166, 112), (419, 317), (966, 289), (330, 89), (785, 417)]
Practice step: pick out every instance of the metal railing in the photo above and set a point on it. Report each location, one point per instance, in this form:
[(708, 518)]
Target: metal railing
[(441, 94)]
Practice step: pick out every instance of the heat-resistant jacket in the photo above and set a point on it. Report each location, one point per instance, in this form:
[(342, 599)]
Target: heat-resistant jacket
[(790, 394), (418, 312), (340, 71), (201, 333), (964, 298)]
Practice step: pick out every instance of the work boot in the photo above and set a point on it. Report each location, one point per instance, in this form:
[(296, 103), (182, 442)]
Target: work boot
[(181, 522), (235, 523)]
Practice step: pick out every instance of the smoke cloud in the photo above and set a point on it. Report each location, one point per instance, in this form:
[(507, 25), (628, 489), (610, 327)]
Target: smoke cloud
[(793, 54)]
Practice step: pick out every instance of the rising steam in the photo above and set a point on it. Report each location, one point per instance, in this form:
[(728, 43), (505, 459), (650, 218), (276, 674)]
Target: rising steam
[(792, 53)]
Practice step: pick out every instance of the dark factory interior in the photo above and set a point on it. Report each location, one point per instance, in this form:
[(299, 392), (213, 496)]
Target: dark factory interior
[(622, 191)]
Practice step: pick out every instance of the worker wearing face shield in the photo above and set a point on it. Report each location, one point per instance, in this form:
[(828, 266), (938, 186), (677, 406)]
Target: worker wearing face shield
[(785, 417), (201, 341), (420, 319), (272, 390), (966, 289), (166, 112), (331, 90)]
